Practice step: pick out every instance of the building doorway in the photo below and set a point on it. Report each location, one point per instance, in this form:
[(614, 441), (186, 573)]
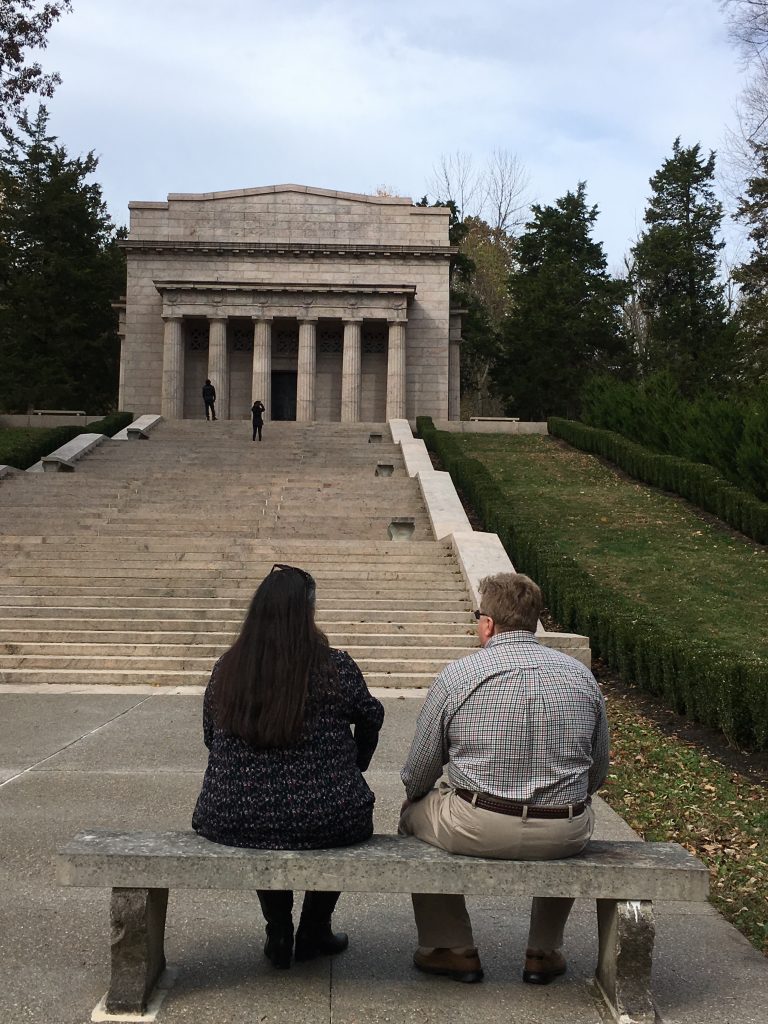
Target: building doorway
[(283, 395)]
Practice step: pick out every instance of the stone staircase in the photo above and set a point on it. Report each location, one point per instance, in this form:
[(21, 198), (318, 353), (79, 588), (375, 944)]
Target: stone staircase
[(138, 567)]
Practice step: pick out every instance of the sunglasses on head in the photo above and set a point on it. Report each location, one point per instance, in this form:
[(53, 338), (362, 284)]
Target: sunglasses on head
[(311, 585)]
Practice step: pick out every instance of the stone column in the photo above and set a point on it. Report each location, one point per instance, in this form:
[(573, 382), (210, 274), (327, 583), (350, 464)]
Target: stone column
[(172, 406), (454, 363), (305, 383), (121, 380), (454, 379), (218, 364), (351, 384), (261, 382), (396, 403)]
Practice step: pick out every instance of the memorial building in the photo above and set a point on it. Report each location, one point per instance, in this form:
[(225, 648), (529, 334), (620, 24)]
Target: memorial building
[(324, 305)]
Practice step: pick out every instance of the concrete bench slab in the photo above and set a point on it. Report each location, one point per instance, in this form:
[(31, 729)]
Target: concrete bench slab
[(140, 867), (139, 429), (64, 458)]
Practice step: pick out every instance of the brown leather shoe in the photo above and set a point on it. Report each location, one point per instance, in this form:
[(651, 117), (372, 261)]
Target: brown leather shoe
[(464, 967), (543, 966)]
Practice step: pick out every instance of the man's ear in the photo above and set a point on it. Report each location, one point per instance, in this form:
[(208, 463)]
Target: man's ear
[(487, 628)]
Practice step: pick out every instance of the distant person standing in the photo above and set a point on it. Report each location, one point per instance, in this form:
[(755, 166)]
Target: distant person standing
[(257, 412), (209, 398)]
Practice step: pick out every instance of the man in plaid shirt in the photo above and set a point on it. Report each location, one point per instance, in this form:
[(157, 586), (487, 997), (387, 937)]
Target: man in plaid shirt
[(521, 732)]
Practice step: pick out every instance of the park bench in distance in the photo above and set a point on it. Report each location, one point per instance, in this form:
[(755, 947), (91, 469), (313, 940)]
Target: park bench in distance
[(140, 867)]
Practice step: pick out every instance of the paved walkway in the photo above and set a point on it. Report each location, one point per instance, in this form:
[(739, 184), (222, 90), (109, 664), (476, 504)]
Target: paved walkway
[(135, 760)]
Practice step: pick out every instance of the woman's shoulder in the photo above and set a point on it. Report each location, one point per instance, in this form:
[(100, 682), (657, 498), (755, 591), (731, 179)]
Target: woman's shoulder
[(341, 659), (347, 669)]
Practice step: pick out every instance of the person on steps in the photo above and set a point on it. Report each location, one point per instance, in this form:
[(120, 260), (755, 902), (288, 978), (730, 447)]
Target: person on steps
[(290, 727), (257, 413), (521, 731), (209, 400)]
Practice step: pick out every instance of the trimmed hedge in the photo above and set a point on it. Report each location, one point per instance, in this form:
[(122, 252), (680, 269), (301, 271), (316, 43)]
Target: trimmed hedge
[(696, 676), (23, 452), (700, 484)]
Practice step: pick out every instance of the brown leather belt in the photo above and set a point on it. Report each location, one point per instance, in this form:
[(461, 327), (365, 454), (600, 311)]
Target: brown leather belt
[(502, 806)]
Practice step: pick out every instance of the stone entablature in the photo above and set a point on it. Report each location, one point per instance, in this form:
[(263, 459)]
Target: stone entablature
[(324, 305), (290, 248), (297, 301)]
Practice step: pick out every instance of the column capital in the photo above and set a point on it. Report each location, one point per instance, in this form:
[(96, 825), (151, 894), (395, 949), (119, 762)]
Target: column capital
[(352, 319), (216, 317), (173, 319), (307, 320), (258, 318)]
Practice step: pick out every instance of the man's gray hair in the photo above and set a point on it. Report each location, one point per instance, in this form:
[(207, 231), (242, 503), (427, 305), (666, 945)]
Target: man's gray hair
[(512, 600)]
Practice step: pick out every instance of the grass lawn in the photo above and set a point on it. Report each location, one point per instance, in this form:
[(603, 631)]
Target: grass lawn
[(669, 789), (659, 552), (651, 547)]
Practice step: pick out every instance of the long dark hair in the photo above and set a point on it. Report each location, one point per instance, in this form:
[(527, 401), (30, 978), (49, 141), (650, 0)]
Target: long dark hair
[(262, 682)]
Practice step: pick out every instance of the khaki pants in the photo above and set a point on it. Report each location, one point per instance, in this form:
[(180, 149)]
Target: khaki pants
[(443, 819)]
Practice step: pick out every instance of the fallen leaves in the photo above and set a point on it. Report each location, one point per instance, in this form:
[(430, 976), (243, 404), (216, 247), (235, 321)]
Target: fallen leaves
[(668, 789)]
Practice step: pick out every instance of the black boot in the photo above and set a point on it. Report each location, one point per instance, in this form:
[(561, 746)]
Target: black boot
[(276, 907), (314, 936)]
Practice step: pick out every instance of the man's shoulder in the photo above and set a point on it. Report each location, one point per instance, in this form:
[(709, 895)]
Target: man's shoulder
[(565, 662), (457, 674)]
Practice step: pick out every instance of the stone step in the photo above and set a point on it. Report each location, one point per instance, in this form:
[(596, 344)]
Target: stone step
[(98, 617), (17, 641), (134, 676), (231, 579), (87, 628), (24, 597), (178, 565), (227, 585), (322, 548), (189, 663), (100, 564), (98, 654), (67, 645)]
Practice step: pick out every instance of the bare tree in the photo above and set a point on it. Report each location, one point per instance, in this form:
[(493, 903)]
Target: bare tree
[(506, 185), (496, 192), (634, 320), (456, 178), (748, 29)]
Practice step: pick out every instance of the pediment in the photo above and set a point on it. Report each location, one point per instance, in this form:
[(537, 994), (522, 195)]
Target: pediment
[(308, 192)]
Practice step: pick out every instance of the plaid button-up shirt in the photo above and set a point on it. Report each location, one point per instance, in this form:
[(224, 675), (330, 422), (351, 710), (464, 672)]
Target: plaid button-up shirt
[(515, 720)]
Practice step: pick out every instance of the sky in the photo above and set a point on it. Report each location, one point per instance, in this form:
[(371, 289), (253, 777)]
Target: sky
[(210, 95)]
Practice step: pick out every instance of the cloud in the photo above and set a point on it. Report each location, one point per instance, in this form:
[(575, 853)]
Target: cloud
[(178, 97)]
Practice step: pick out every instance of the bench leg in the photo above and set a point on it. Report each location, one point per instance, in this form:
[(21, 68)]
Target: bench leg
[(137, 919), (626, 930)]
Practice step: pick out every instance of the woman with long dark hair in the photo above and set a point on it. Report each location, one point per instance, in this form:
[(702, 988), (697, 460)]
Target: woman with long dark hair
[(284, 765)]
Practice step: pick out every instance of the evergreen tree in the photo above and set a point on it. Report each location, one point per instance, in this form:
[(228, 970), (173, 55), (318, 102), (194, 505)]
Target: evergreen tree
[(60, 270), (752, 276), (676, 275), (564, 322)]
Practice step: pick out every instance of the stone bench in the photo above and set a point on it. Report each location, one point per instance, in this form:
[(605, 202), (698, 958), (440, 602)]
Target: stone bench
[(140, 867), (64, 458), (139, 429)]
